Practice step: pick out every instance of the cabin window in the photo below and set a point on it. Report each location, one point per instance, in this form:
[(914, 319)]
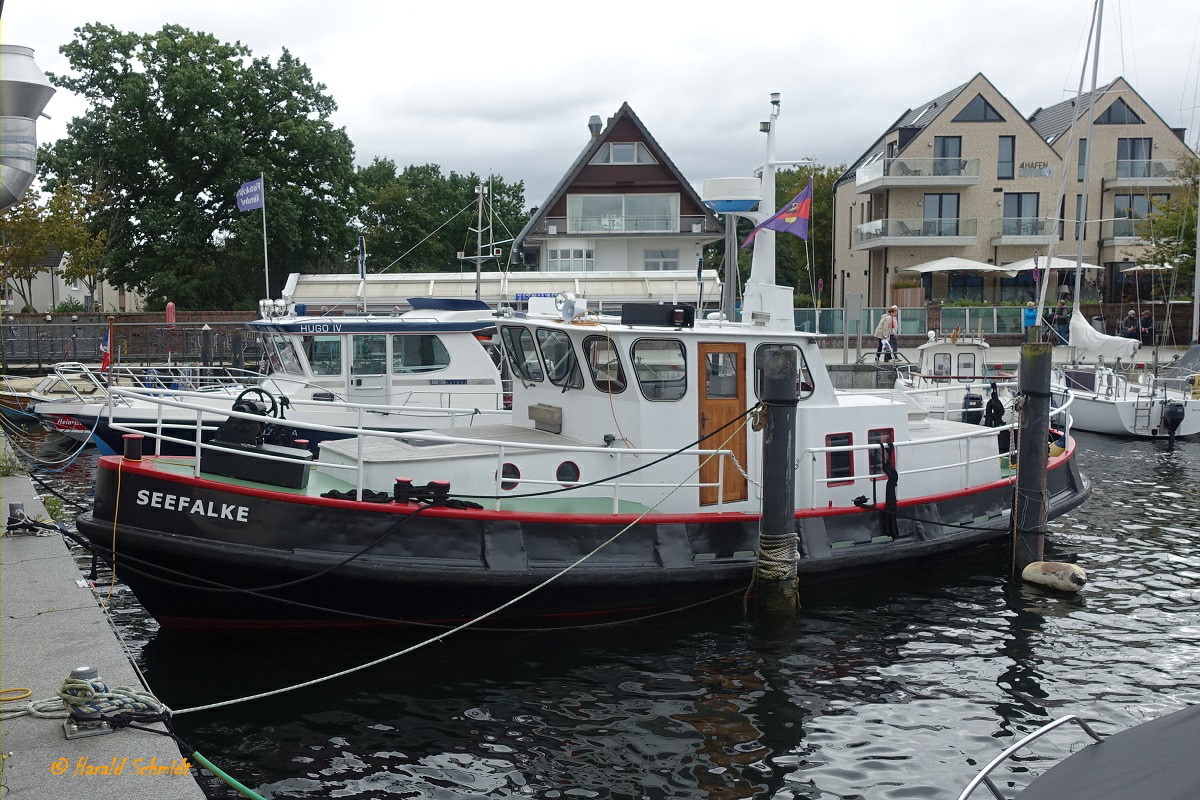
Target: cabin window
[(522, 354), (324, 354), (418, 352), (370, 355), (604, 364), (942, 366), (282, 355), (839, 466), (661, 368), (511, 473), (562, 367), (875, 457), (966, 367), (804, 381)]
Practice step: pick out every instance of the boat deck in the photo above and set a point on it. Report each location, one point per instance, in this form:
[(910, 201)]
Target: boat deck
[(382, 449)]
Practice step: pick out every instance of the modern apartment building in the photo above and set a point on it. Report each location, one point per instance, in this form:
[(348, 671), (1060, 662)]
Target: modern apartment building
[(1136, 160), (966, 174)]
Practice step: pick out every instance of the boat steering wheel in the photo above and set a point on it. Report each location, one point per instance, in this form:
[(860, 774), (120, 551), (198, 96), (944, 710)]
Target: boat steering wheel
[(257, 391)]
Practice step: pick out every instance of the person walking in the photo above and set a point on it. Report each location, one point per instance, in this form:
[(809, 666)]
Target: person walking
[(885, 332), (1029, 318)]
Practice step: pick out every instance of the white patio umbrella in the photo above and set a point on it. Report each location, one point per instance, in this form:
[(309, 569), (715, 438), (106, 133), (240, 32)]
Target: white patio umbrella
[(1044, 263), (1148, 268), (956, 264)]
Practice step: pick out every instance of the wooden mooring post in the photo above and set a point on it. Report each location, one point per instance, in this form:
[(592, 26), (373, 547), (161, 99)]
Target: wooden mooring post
[(1033, 437)]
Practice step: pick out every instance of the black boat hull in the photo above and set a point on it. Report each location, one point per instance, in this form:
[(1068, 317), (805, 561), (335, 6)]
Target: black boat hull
[(199, 552)]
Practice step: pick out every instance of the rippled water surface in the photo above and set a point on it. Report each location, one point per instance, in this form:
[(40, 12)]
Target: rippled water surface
[(884, 691)]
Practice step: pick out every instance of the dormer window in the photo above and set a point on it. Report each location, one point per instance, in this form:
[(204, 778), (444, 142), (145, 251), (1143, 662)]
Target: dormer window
[(623, 153)]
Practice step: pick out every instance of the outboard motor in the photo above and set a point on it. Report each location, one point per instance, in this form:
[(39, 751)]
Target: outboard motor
[(1172, 418), (972, 401)]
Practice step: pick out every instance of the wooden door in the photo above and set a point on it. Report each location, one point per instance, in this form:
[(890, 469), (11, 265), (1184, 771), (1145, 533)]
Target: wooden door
[(722, 400)]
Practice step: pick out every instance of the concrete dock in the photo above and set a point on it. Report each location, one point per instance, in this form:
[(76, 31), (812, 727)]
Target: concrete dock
[(50, 622)]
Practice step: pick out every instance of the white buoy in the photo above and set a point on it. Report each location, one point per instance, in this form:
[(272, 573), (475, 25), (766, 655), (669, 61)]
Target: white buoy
[(1055, 575)]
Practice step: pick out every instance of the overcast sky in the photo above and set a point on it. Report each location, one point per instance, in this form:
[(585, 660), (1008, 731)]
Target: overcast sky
[(507, 87)]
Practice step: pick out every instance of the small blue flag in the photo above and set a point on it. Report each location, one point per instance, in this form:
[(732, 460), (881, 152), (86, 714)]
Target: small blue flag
[(251, 195)]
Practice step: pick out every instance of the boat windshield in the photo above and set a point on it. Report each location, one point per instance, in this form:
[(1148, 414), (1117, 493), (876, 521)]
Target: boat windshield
[(559, 357), (281, 354), (522, 354)]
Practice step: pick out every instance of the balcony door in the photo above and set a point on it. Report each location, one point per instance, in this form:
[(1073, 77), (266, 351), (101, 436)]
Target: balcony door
[(1021, 214), (947, 154), (941, 215), (1133, 157)]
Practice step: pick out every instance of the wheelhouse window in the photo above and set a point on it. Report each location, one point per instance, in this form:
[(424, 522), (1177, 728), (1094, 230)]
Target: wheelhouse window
[(942, 366), (804, 382), (839, 467), (623, 213), (281, 354), (522, 354), (562, 367), (875, 458), (661, 259), (623, 153), (720, 375), (418, 352), (604, 364), (324, 354), (660, 367)]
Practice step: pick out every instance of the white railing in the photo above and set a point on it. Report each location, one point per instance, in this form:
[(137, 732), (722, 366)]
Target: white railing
[(1060, 412), (160, 378), (178, 400)]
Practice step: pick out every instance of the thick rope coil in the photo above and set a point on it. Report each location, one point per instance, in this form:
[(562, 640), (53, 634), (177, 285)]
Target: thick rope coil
[(91, 698), (776, 556)]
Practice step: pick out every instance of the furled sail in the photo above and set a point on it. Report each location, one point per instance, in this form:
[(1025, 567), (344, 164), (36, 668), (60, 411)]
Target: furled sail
[(1090, 340)]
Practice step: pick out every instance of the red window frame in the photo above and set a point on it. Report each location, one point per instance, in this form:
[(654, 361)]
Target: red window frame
[(829, 442)]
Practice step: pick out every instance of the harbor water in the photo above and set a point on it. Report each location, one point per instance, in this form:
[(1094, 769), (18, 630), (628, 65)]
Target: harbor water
[(885, 690)]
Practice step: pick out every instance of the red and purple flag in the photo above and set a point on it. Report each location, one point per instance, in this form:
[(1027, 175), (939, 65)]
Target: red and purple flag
[(792, 218)]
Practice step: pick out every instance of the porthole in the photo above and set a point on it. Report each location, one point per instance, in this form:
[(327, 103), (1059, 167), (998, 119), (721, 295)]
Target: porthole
[(510, 474), (567, 473)]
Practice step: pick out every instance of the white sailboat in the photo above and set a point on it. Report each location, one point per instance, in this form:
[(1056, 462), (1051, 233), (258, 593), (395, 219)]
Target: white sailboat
[(1104, 399)]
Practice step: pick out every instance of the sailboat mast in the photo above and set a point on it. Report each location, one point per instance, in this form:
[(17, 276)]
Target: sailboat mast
[(1087, 153)]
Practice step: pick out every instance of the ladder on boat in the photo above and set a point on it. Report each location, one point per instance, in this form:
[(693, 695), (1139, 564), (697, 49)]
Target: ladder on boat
[(1143, 409)]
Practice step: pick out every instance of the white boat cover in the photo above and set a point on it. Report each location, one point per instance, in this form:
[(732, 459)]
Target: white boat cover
[(1090, 340)]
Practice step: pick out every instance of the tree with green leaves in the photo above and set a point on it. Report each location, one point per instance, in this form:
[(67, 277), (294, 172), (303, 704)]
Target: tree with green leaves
[(85, 243), (1170, 230), (418, 220), (177, 121), (24, 242)]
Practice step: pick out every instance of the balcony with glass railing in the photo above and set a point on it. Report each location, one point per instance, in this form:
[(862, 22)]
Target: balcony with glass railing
[(626, 225), (915, 232), (1120, 231), (1023, 230), (889, 173), (1141, 172)]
